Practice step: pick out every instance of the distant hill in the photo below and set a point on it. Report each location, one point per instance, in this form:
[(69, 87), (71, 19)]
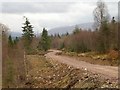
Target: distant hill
[(60, 30), (69, 29), (15, 34)]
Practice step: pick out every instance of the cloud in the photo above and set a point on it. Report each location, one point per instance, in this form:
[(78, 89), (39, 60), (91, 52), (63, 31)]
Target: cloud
[(36, 7), (113, 9), (57, 1), (43, 6), (50, 14), (13, 21)]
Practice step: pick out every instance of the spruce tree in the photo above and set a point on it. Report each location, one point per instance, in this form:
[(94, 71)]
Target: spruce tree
[(28, 33), (16, 40), (10, 41), (44, 43)]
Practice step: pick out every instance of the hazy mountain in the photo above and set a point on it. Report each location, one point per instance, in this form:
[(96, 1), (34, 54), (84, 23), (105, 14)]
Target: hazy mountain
[(15, 34), (69, 29), (60, 30)]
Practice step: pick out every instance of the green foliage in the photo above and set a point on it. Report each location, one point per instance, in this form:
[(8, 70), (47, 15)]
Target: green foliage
[(10, 41), (101, 47), (82, 48), (28, 33), (10, 72), (62, 45), (101, 18), (104, 38), (44, 43), (78, 47), (16, 40)]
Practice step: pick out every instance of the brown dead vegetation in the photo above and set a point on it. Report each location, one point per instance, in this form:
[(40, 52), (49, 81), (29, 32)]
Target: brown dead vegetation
[(48, 73), (13, 72), (102, 59)]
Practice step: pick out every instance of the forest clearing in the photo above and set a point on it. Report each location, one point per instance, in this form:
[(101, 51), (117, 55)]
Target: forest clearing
[(60, 47), (45, 72)]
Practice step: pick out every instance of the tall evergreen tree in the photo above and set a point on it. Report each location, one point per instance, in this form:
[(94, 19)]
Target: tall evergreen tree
[(28, 33), (16, 40), (10, 41), (44, 43), (67, 33)]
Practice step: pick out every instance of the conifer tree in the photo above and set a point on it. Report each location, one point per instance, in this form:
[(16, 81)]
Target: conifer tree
[(28, 33), (10, 41), (44, 43)]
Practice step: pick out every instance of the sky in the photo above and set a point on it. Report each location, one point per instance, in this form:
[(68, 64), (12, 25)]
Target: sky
[(50, 13)]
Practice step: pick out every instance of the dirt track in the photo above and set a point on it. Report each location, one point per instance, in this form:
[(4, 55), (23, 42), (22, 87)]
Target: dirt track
[(109, 72)]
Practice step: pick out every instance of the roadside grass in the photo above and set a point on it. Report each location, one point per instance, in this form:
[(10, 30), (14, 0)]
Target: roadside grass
[(13, 73), (110, 58), (8, 78)]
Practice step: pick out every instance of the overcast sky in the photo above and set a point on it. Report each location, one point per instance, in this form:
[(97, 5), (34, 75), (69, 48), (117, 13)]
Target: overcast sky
[(50, 13)]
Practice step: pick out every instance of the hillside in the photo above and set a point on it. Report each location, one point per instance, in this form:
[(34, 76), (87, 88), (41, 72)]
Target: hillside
[(69, 29), (60, 30)]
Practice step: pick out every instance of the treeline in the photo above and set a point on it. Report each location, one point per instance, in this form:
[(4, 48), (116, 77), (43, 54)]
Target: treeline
[(102, 39), (31, 43), (87, 40)]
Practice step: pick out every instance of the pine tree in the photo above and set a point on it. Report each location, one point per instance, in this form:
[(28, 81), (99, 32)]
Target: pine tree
[(16, 40), (67, 33), (28, 33), (44, 43), (58, 35), (113, 20), (10, 41)]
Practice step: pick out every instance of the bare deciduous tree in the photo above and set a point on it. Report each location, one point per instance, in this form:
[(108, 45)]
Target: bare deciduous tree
[(100, 13)]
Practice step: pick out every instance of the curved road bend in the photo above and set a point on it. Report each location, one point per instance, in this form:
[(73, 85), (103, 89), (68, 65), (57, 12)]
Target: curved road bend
[(105, 71)]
